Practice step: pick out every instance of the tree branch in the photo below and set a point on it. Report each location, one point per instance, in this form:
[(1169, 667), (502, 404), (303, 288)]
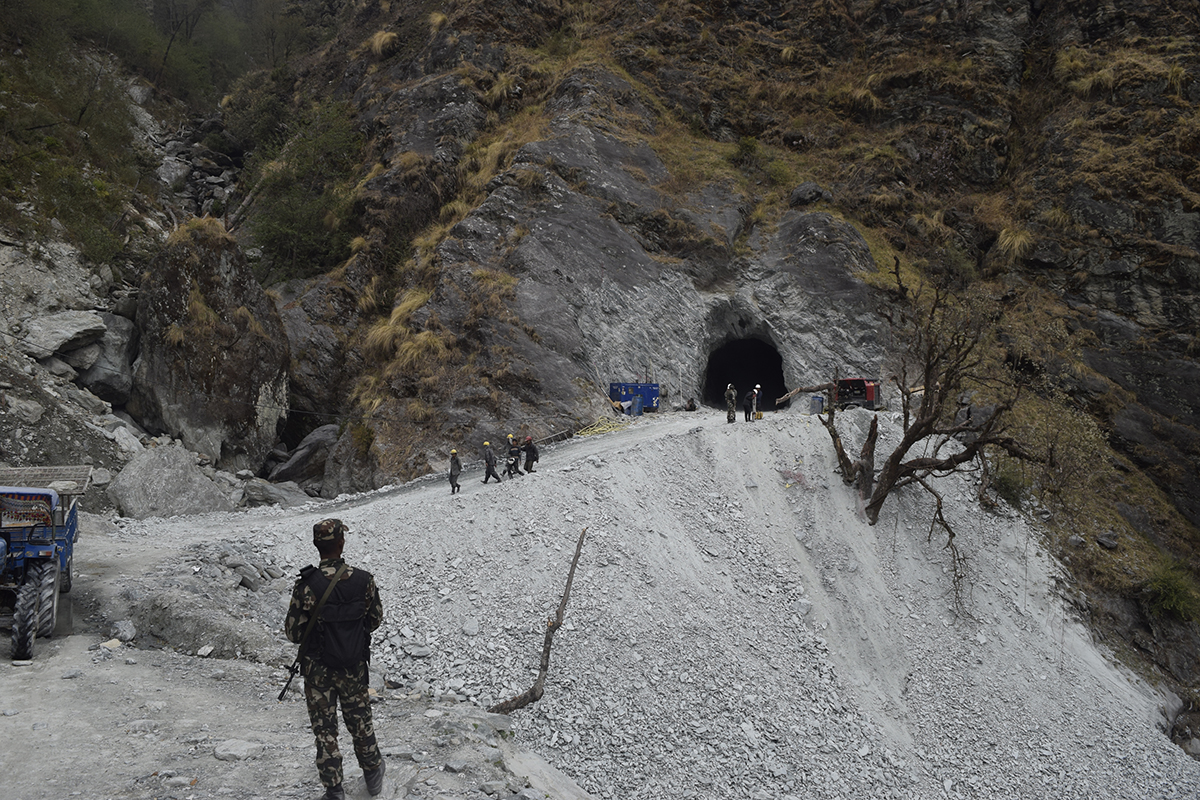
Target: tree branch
[(535, 692)]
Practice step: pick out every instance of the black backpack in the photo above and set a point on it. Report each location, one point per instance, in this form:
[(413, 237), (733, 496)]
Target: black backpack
[(341, 640)]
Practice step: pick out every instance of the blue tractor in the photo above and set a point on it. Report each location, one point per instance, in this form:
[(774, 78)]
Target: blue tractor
[(39, 525)]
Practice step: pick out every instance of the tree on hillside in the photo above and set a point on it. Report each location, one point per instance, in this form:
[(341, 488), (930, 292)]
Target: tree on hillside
[(953, 401), (176, 17)]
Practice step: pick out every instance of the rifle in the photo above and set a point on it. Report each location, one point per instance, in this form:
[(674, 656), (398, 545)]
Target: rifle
[(312, 621)]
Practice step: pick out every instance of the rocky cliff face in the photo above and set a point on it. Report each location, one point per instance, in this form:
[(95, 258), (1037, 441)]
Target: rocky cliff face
[(553, 198), (212, 368), (1051, 144)]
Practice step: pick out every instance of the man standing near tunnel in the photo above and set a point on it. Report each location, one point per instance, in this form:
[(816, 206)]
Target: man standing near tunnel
[(748, 405), (730, 403)]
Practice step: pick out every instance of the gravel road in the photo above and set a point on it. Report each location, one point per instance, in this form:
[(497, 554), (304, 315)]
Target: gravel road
[(735, 630)]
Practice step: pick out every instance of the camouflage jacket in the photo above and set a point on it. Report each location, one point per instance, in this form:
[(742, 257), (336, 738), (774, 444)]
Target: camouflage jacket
[(304, 601)]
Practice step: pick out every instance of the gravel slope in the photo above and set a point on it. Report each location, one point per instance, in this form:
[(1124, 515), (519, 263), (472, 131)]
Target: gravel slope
[(736, 630)]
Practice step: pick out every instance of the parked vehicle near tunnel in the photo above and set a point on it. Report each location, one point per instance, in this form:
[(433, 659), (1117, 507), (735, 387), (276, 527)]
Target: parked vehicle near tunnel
[(857, 393), (39, 525)]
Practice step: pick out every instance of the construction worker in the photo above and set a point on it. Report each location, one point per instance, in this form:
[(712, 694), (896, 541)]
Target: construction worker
[(455, 470), (730, 403), (531, 453), (489, 462), (748, 405), (757, 396), (512, 466)]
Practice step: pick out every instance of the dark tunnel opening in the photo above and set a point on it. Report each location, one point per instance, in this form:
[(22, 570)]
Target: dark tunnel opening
[(744, 363)]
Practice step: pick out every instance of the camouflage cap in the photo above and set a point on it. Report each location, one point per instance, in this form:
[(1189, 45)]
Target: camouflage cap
[(327, 530)]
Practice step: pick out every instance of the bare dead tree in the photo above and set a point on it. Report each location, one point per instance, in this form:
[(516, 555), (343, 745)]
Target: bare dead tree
[(941, 358), (534, 693), (828, 388)]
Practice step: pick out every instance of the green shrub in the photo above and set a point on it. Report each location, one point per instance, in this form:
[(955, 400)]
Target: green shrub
[(302, 216), (1009, 481), (363, 436), (258, 113), (779, 173), (1171, 592), (748, 153)]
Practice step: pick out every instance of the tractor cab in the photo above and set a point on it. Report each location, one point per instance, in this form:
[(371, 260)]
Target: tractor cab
[(39, 525)]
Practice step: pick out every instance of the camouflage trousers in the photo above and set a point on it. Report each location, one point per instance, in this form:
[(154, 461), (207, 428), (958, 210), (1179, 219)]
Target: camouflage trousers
[(325, 689), (730, 412)]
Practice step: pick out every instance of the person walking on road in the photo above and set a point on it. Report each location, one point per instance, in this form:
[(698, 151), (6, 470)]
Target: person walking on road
[(455, 471), (531, 453), (730, 403), (489, 462), (512, 465), (334, 609)]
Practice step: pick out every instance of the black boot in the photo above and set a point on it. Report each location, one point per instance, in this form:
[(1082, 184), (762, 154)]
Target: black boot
[(374, 778), (333, 793)]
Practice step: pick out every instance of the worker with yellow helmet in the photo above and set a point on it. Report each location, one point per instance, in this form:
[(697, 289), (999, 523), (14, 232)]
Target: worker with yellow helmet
[(455, 469)]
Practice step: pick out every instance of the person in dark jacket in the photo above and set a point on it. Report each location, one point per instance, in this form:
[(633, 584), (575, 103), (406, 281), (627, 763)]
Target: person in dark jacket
[(489, 462), (328, 681), (455, 471), (730, 403), (748, 405), (512, 466), (531, 453)]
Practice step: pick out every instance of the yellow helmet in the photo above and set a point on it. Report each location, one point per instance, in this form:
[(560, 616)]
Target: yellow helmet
[(452, 452), (487, 444)]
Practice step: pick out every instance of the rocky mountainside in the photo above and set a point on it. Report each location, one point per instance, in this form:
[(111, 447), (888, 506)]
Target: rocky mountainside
[(448, 223)]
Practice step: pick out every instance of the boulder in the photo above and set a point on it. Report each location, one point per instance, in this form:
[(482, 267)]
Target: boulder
[(307, 462), (164, 482), (212, 370), (110, 375), (807, 193), (351, 465), (259, 492), (67, 330), (316, 317)]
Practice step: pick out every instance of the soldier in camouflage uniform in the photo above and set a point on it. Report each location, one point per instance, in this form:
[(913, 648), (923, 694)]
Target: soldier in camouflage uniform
[(730, 403), (326, 687)]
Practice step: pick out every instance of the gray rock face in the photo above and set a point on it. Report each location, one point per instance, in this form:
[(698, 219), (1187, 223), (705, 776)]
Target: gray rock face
[(54, 333), (603, 304), (43, 279), (348, 468), (164, 482), (323, 367), (110, 375), (1158, 431)]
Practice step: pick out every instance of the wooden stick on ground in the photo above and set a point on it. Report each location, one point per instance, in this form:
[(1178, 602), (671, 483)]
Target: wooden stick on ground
[(534, 693)]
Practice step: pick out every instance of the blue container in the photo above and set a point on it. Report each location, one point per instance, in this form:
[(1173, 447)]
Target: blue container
[(647, 392), (816, 404), (635, 410)]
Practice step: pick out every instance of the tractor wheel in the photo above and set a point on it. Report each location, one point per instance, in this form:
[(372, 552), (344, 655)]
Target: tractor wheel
[(64, 582), (25, 619), (48, 581)]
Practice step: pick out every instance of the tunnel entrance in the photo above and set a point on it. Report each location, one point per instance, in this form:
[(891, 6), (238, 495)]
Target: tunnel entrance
[(744, 363)]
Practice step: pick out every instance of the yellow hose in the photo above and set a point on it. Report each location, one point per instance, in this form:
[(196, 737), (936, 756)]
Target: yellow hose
[(603, 425)]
